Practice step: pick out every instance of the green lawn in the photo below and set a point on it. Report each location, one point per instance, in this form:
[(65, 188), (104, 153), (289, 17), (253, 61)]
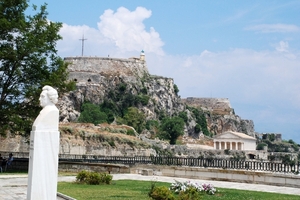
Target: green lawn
[(138, 190)]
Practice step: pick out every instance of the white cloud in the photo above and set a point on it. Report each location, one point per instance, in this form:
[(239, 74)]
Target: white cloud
[(119, 34), (272, 28), (127, 31), (282, 46), (246, 76)]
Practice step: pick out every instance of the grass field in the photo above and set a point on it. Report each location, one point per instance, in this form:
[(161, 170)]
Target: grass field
[(138, 190)]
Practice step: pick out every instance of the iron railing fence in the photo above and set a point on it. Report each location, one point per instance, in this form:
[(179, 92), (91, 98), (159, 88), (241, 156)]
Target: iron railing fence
[(177, 161)]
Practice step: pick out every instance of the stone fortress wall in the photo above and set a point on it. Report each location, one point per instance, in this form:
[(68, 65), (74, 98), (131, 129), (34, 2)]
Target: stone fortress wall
[(219, 106), (94, 69)]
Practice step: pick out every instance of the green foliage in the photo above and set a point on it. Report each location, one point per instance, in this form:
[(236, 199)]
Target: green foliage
[(277, 147), (93, 178), (172, 128), (151, 123), (183, 115), (226, 151), (271, 137), (120, 99), (176, 90), (106, 178), (190, 193), (28, 61), (197, 128), (91, 113), (143, 99), (160, 193), (135, 118), (82, 176), (287, 160), (260, 146), (200, 119), (122, 87), (130, 132)]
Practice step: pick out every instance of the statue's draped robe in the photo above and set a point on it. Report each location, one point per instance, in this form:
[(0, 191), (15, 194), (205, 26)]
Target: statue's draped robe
[(43, 157)]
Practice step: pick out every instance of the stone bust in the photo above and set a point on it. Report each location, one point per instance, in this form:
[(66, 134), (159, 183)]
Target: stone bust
[(49, 115)]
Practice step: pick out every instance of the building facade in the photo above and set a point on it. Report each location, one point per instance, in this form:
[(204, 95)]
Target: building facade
[(234, 141)]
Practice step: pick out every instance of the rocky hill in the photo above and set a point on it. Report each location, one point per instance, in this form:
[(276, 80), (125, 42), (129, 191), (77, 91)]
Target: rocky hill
[(220, 115), (98, 79), (124, 82)]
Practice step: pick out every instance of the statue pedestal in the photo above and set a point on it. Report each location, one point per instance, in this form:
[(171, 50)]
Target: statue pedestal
[(43, 165)]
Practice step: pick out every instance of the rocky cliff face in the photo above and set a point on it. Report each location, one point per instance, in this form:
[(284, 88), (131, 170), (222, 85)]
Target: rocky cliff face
[(220, 115), (96, 77)]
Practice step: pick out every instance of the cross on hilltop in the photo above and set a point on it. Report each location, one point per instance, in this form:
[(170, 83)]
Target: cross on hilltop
[(82, 42)]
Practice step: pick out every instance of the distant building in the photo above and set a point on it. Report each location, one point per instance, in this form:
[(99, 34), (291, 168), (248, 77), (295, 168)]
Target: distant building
[(234, 141)]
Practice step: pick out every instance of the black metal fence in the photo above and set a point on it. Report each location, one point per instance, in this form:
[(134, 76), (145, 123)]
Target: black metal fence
[(177, 161)]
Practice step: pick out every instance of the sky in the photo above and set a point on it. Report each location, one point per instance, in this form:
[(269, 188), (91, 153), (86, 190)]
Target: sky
[(246, 51)]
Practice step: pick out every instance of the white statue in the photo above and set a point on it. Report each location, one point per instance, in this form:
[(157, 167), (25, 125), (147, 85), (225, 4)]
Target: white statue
[(44, 149), (49, 115)]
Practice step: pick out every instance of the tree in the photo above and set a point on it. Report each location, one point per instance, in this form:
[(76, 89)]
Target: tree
[(172, 128), (135, 118), (28, 61), (91, 113)]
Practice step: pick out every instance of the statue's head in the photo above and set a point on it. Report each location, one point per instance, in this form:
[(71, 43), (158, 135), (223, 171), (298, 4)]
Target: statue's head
[(48, 96)]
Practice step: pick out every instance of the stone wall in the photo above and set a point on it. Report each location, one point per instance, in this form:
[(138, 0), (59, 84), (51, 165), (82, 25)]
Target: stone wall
[(278, 179), (215, 105), (95, 69)]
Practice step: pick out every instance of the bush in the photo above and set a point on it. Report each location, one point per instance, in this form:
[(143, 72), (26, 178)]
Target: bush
[(82, 176), (160, 193), (106, 178), (189, 194), (260, 146), (93, 178), (130, 132), (91, 113), (176, 90), (197, 128)]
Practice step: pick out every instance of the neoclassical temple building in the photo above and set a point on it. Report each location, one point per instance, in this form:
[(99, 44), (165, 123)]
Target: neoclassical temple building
[(234, 141)]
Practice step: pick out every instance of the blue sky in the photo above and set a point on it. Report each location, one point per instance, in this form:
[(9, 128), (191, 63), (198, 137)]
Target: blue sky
[(247, 51)]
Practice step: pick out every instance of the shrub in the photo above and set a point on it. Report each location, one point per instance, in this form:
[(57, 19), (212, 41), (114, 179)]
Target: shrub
[(176, 90), (260, 146), (130, 132), (93, 178), (82, 176), (184, 116), (160, 193), (197, 128), (106, 178), (143, 99), (190, 193)]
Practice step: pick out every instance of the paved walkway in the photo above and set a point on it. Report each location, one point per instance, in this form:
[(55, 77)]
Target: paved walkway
[(14, 187)]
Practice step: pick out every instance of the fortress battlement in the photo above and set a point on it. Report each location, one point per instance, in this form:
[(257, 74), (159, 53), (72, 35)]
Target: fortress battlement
[(93, 69), (215, 105)]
